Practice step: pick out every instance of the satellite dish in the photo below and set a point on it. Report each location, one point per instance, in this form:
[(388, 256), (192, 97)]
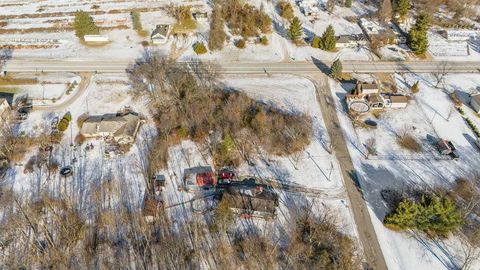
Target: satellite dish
[(359, 106)]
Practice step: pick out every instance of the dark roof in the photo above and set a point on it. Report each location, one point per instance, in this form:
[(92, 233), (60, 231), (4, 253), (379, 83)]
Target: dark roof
[(251, 199), (197, 170), (161, 29)]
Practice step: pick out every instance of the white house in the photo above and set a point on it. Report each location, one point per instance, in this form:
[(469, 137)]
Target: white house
[(95, 38), (367, 88), (200, 16), (350, 41), (461, 34), (161, 34), (475, 102)]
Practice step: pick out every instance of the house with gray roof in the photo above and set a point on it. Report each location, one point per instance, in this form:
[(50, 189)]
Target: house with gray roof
[(121, 127)]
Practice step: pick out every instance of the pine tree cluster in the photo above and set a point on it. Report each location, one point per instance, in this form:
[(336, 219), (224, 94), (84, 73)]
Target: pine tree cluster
[(84, 25), (432, 215), (417, 37)]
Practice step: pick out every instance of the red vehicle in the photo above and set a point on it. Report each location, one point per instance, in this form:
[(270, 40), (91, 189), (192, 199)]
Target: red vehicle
[(226, 176)]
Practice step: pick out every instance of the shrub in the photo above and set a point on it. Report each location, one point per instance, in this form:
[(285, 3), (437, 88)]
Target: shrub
[(62, 125), (68, 117), (410, 143), (64, 122), (264, 40), (84, 25), (286, 10), (240, 44), (199, 48)]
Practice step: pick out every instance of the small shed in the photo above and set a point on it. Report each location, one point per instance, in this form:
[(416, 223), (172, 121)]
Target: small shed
[(475, 102), (159, 180), (96, 38)]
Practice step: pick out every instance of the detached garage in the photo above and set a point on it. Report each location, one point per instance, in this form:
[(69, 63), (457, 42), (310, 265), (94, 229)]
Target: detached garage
[(475, 102), (397, 102)]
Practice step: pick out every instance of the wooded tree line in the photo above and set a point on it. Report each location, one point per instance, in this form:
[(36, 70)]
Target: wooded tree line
[(241, 18), (56, 233), (189, 102)]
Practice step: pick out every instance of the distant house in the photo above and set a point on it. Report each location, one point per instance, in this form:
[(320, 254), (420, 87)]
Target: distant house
[(96, 38), (200, 16), (161, 34), (350, 41), (311, 11), (121, 127), (254, 201), (198, 178), (475, 102)]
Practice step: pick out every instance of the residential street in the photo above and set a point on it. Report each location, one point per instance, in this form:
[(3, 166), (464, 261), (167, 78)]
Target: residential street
[(119, 66)]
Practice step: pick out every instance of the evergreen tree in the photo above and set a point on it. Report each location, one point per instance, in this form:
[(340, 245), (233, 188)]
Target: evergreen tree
[(415, 88), (336, 69), (432, 214), (402, 7), (348, 3), (316, 42), (405, 216), (84, 25), (296, 30), (417, 37), (328, 40), (199, 48)]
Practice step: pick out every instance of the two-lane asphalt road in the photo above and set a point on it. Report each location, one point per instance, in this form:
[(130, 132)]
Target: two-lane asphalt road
[(119, 66)]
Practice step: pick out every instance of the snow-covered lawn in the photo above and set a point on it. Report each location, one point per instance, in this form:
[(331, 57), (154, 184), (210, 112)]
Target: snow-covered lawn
[(430, 114)]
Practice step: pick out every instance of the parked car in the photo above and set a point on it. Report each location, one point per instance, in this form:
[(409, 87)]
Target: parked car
[(446, 147), (66, 171)]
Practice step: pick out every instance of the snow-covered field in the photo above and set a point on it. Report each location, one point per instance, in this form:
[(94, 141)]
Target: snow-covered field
[(125, 43), (428, 115)]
